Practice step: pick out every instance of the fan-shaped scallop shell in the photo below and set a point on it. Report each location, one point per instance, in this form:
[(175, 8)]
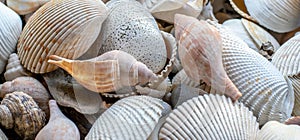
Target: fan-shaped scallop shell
[(11, 27), (23, 7), (14, 69), (210, 117), (130, 118), (62, 27), (265, 90), (274, 130), (131, 28)]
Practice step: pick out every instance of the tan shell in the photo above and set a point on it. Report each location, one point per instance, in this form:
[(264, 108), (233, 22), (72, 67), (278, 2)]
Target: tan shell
[(277, 131), (11, 27), (30, 86), (61, 27), (210, 117), (23, 7), (107, 72), (200, 52), (19, 111), (135, 33), (14, 69), (59, 126), (133, 117)]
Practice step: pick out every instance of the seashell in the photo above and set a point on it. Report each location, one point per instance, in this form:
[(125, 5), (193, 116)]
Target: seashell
[(135, 33), (296, 86), (23, 7), (11, 27), (210, 117), (274, 130), (265, 90), (240, 7), (207, 12), (293, 120), (200, 56), (58, 127), (107, 72), (19, 111), (159, 92), (30, 86), (14, 69), (60, 28), (133, 117), (2, 135)]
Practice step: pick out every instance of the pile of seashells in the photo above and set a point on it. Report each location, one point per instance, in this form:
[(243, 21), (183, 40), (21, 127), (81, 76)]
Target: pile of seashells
[(149, 69)]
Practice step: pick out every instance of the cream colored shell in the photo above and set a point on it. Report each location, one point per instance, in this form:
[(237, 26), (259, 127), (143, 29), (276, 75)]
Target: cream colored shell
[(277, 131), (23, 7)]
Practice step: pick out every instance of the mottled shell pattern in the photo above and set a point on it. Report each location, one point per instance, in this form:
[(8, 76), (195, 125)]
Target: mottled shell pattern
[(133, 117), (14, 68), (17, 110), (58, 127), (65, 28), (131, 28), (265, 90), (210, 117), (23, 7), (11, 28), (274, 130)]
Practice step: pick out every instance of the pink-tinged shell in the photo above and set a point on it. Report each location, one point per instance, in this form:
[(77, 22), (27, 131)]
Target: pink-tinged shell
[(200, 52), (58, 127), (66, 28), (107, 72), (14, 69), (293, 120), (23, 7)]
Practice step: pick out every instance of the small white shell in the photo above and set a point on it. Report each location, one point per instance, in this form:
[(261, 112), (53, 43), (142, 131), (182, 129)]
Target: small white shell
[(23, 7), (210, 117), (277, 131), (133, 117), (14, 69)]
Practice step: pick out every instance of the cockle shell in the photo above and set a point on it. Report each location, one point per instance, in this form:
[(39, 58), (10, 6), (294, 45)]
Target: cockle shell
[(131, 28), (19, 111), (30, 86), (210, 117), (200, 52), (14, 69), (296, 86), (274, 130), (130, 118), (23, 7), (11, 27), (2, 135), (61, 27), (265, 90), (58, 127)]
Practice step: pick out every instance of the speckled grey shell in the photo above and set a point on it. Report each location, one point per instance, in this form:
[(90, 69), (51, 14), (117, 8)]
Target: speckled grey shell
[(277, 131), (14, 69), (210, 117), (133, 117), (131, 28), (11, 27), (265, 90)]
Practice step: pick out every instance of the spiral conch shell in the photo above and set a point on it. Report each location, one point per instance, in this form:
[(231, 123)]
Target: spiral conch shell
[(107, 72), (61, 27), (200, 52), (14, 69), (23, 7)]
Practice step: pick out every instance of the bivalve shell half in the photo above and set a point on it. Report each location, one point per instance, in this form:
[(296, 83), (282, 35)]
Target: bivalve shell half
[(296, 86), (210, 117), (133, 117), (23, 7), (274, 130), (65, 28)]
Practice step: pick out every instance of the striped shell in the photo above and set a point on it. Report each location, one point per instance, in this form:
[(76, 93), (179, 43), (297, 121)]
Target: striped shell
[(265, 90), (23, 7), (210, 117), (14, 69), (277, 131), (131, 28), (11, 27), (61, 27), (133, 117)]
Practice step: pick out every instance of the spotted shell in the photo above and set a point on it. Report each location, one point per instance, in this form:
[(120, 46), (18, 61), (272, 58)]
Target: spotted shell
[(14, 69), (274, 130), (11, 27), (133, 117), (23, 7), (61, 27), (210, 117), (131, 28)]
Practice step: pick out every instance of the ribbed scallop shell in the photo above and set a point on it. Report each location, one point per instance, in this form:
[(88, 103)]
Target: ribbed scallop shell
[(277, 131), (210, 117), (11, 27), (277, 15), (296, 86), (133, 117), (65, 28), (131, 28), (265, 90), (14, 69), (23, 7)]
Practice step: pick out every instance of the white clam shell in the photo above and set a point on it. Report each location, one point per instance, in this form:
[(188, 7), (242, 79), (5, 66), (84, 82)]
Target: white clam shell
[(210, 117), (277, 15), (296, 86), (133, 117), (11, 27), (277, 131), (23, 7), (14, 69), (131, 28)]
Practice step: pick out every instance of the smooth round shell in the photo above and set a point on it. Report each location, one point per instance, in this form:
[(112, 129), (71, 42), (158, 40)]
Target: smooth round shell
[(277, 131)]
